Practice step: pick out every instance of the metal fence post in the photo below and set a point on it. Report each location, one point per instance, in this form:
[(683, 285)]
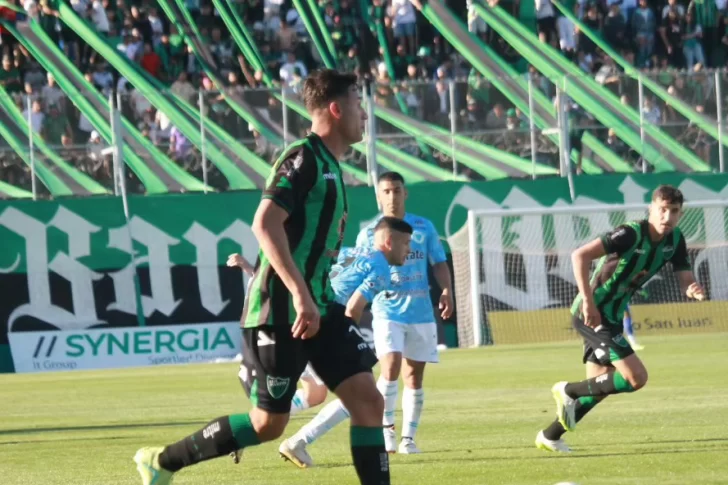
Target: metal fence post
[(114, 140), (641, 101), (285, 117), (203, 144), (31, 147), (371, 132), (532, 126), (453, 126), (719, 98)]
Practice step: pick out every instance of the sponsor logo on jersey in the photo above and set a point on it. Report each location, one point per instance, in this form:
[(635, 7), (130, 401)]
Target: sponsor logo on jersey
[(399, 278), (414, 255), (329, 176)]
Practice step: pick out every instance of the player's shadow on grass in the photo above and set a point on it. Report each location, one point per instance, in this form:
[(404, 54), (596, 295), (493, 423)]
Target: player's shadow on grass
[(529, 446), (671, 442), (637, 452), (63, 440), (100, 427), (550, 456)]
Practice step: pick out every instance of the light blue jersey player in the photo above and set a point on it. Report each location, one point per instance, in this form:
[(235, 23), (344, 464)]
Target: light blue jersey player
[(358, 276), (405, 332)]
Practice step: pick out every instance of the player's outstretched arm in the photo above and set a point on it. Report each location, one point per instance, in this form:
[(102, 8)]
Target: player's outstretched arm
[(689, 286), (686, 278), (268, 229), (236, 259), (581, 260), (441, 272)]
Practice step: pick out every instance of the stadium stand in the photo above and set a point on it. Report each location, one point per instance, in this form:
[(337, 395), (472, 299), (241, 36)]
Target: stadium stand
[(256, 49)]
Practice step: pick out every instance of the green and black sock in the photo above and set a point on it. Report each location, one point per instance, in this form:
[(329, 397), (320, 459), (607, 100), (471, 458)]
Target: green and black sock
[(603, 385), (370, 458), (219, 437), (583, 406)]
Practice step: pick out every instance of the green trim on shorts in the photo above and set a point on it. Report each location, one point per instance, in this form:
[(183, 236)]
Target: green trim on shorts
[(254, 393)]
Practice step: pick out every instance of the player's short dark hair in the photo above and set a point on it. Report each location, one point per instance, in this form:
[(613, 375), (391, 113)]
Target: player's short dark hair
[(393, 224), (391, 177), (669, 194), (324, 86)]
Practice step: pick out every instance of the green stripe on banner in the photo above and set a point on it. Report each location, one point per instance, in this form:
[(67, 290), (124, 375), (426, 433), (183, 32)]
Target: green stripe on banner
[(701, 121), (664, 152), (513, 85), (13, 192), (151, 181), (69, 177), (238, 175)]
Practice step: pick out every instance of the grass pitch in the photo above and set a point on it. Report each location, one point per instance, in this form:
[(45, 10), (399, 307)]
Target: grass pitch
[(483, 409)]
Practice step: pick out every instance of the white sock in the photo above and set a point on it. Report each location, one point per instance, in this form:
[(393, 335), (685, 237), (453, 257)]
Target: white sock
[(388, 389), (299, 402), (331, 415), (412, 402)]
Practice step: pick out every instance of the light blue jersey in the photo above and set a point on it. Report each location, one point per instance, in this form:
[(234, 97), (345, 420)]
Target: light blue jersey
[(359, 269), (409, 301)]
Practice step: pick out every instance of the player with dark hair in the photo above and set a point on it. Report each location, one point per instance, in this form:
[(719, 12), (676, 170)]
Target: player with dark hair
[(353, 280), (357, 277), (628, 257), (405, 332), (290, 316), (404, 327)]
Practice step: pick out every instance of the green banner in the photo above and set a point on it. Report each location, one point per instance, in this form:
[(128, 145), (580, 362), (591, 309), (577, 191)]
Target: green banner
[(78, 263), (47, 228)]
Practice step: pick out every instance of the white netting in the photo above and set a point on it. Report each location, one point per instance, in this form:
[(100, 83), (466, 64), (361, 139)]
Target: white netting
[(524, 284)]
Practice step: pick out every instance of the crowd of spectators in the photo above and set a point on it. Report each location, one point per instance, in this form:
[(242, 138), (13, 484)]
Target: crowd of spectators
[(676, 43)]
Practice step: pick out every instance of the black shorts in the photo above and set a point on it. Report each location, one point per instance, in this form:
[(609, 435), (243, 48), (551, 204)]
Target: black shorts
[(546, 26), (273, 360), (604, 346), (575, 142)]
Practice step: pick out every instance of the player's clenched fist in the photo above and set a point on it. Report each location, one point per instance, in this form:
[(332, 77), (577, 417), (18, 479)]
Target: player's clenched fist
[(237, 260), (695, 292)]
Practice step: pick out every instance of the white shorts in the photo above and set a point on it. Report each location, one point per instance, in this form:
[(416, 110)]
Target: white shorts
[(309, 373), (415, 341)]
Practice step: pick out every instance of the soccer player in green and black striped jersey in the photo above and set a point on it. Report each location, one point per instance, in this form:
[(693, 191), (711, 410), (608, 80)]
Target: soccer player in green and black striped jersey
[(628, 257), (290, 316)]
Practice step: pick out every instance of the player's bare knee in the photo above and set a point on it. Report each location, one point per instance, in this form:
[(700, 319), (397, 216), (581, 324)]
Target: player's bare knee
[(316, 395), (413, 374), (638, 380), (268, 426), (391, 365), (368, 409)]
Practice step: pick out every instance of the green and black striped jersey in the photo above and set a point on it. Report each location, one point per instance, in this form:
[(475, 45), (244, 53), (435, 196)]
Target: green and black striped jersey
[(307, 182), (632, 259)]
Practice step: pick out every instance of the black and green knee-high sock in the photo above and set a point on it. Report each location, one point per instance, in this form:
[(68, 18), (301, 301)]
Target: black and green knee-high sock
[(219, 437), (370, 458), (583, 406), (603, 385)]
